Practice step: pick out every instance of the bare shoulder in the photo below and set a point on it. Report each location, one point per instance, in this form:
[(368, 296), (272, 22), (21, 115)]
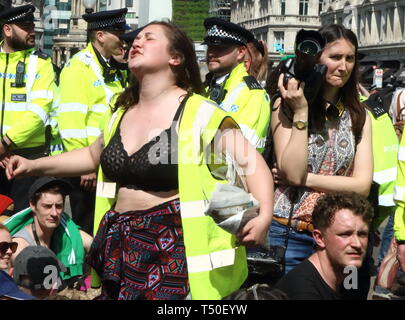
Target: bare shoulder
[(22, 244)]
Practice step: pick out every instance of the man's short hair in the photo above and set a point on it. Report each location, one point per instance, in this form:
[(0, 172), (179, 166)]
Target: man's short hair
[(50, 185), (327, 206)]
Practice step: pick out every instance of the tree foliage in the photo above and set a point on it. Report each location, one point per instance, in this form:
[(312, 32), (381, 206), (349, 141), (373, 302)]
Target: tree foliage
[(190, 15)]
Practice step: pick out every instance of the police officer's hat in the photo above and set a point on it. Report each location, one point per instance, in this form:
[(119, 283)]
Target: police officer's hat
[(17, 14), (106, 20), (222, 32), (129, 37)]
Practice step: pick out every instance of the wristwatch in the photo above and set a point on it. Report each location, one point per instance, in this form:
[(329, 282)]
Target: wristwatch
[(300, 124)]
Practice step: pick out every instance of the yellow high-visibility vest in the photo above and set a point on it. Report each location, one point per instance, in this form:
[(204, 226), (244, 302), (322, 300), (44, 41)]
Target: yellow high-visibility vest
[(84, 98), (25, 107), (248, 104), (216, 266)]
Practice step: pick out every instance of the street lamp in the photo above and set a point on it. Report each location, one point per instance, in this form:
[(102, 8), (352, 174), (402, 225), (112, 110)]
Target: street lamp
[(89, 5)]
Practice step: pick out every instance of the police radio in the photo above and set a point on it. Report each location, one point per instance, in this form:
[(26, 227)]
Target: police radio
[(19, 75)]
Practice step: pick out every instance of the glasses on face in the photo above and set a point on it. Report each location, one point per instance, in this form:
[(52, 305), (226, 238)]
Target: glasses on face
[(4, 246)]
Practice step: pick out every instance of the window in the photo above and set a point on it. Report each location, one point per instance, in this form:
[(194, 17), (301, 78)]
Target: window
[(320, 6), (304, 7), (282, 7), (279, 41), (129, 3)]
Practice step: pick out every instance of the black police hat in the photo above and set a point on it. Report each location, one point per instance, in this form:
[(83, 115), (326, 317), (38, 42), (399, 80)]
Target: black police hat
[(220, 32), (129, 37), (17, 14), (106, 20), (47, 182)]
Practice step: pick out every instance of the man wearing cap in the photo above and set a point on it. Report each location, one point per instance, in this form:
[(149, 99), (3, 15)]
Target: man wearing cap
[(228, 82), (88, 83), (37, 271), (45, 224), (26, 95)]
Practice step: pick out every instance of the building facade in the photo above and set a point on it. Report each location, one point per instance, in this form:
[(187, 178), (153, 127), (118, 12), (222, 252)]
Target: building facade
[(379, 26), (133, 9), (150, 10), (276, 21), (220, 9)]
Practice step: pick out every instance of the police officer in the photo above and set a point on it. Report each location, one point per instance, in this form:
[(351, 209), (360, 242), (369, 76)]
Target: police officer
[(88, 83), (26, 94), (228, 82), (399, 218)]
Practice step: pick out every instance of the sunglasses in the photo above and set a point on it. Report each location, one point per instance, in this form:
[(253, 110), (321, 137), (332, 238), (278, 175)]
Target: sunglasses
[(4, 246)]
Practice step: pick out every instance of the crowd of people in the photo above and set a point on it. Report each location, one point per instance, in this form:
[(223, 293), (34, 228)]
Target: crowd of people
[(140, 144)]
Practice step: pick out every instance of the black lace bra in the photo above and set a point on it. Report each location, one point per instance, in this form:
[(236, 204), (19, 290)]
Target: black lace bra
[(152, 168)]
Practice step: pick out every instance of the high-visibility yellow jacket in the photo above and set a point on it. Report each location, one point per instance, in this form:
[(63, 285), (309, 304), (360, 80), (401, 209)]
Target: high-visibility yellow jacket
[(84, 98), (216, 266), (25, 109), (249, 104), (385, 155), (399, 219)]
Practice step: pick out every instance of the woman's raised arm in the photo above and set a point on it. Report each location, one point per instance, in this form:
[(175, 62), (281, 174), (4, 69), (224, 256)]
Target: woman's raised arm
[(74, 163)]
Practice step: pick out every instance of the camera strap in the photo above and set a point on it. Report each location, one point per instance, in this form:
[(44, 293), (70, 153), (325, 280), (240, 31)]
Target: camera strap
[(293, 197)]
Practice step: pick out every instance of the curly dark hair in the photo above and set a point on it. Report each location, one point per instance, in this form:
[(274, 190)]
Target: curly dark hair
[(327, 206)]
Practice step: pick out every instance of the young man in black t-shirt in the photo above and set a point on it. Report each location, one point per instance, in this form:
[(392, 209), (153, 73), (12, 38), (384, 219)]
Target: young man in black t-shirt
[(341, 222)]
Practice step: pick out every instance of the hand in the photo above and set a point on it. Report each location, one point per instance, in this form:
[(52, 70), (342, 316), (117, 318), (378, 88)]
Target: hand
[(89, 181), (4, 159), (18, 166), (278, 176), (401, 256), (293, 95), (254, 233)]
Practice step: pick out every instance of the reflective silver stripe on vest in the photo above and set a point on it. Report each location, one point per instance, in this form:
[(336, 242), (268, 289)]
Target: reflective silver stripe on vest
[(230, 99), (101, 108), (192, 209), (5, 128), (88, 59), (401, 154), (31, 72), (73, 107), (27, 106), (385, 176), (399, 193), (208, 262), (42, 94), (386, 200), (252, 137)]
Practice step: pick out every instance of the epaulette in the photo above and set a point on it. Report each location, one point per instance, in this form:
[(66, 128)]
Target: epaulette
[(41, 54), (252, 83), (375, 107)]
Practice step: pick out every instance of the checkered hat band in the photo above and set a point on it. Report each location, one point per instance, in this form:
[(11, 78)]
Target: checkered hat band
[(106, 23), (216, 31), (22, 15)]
